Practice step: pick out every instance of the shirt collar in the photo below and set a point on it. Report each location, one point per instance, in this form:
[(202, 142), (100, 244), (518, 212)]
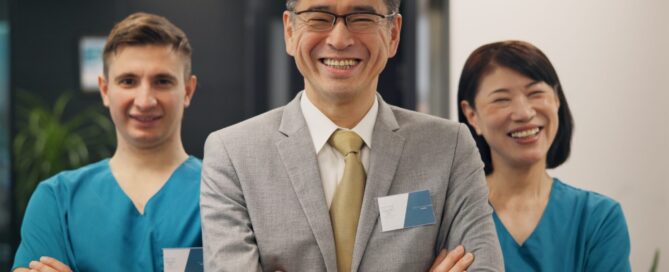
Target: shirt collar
[(321, 127)]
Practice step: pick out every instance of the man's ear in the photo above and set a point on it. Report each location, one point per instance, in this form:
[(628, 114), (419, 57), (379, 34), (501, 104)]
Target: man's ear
[(191, 85), (395, 30), (103, 85), (470, 114), (288, 29)]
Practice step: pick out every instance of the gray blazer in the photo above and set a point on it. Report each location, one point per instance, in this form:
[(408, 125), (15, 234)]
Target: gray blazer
[(263, 206)]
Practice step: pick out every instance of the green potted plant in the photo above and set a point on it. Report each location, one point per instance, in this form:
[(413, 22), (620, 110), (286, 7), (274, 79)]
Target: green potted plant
[(47, 142), (656, 260)]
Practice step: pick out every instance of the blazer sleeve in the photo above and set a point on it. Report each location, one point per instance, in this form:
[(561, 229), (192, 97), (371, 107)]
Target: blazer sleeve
[(228, 239), (468, 209)]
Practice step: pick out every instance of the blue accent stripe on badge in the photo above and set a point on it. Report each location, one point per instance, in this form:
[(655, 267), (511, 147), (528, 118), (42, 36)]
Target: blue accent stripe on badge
[(419, 209), (195, 260)]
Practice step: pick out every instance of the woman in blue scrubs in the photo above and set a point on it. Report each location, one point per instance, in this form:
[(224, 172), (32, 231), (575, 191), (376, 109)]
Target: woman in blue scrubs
[(120, 213), (512, 101)]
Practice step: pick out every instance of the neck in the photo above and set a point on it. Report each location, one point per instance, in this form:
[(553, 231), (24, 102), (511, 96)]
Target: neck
[(161, 157), (530, 182), (345, 113)]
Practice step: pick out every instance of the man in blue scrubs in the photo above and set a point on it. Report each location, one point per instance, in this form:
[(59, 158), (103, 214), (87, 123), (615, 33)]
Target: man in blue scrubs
[(120, 213)]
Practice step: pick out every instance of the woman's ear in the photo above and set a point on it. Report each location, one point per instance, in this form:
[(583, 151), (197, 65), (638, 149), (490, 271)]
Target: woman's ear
[(470, 114)]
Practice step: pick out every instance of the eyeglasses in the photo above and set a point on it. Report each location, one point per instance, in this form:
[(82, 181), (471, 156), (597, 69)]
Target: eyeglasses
[(358, 22)]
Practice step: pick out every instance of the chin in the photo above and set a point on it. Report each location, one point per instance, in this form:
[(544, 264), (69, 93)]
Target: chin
[(531, 160), (149, 144), (339, 92), (146, 140)]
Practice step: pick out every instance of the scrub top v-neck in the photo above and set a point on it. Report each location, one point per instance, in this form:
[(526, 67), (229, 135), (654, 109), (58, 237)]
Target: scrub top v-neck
[(84, 218), (578, 231)]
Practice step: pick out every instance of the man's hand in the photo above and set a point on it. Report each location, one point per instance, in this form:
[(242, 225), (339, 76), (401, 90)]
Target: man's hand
[(453, 261), (48, 264)]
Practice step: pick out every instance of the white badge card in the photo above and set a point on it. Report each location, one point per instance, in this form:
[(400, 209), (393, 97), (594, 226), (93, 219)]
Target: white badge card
[(406, 210), (183, 259)]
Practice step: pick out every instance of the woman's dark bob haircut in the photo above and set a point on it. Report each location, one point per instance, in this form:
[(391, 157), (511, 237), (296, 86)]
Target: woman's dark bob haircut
[(529, 61)]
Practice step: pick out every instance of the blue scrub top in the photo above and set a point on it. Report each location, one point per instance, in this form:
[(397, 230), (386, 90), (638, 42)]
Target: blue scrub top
[(85, 220), (578, 231)]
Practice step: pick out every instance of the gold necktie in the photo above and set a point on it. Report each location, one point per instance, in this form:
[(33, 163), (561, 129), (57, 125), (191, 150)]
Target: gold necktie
[(347, 200)]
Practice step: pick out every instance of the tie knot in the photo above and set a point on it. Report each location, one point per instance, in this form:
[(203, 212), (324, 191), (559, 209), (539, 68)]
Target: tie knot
[(345, 141)]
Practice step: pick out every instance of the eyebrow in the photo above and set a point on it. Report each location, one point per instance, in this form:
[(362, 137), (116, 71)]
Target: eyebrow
[(124, 75), (533, 83), (501, 90), (318, 8), (364, 8), (504, 90), (165, 76), (160, 75)]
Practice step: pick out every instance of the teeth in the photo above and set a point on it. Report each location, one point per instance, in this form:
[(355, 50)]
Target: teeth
[(525, 133), (342, 63)]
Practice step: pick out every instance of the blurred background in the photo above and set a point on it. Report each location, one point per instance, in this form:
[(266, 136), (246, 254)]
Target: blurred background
[(611, 56)]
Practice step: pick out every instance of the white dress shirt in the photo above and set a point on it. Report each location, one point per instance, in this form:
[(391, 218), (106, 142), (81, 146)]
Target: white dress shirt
[(330, 161)]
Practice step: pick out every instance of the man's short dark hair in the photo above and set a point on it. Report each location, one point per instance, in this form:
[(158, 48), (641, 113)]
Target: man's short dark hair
[(147, 29), (529, 61), (393, 5)]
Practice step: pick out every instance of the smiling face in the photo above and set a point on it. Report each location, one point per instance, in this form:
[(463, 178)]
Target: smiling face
[(340, 66), (517, 116), (146, 93)]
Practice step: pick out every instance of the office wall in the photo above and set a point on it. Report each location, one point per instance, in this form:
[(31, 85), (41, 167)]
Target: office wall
[(612, 59), (3, 10)]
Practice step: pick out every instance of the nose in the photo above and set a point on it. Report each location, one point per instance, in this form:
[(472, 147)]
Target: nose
[(339, 37), (145, 98), (522, 110)]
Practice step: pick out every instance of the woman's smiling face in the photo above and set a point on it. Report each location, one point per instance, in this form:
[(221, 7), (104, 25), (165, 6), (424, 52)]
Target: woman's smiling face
[(517, 116)]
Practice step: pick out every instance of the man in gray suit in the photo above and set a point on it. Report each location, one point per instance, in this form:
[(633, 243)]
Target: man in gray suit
[(338, 180)]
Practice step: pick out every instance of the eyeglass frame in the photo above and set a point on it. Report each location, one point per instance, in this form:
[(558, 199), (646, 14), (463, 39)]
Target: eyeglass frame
[(344, 17)]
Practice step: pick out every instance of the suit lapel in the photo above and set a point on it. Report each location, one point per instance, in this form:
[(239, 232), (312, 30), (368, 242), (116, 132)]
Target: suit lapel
[(300, 161), (386, 151)]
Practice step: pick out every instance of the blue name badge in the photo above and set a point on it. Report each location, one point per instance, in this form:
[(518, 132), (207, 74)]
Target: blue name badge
[(183, 259), (406, 210)]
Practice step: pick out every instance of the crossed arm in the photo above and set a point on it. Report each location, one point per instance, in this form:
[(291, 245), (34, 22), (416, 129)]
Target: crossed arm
[(45, 264), (453, 261)]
